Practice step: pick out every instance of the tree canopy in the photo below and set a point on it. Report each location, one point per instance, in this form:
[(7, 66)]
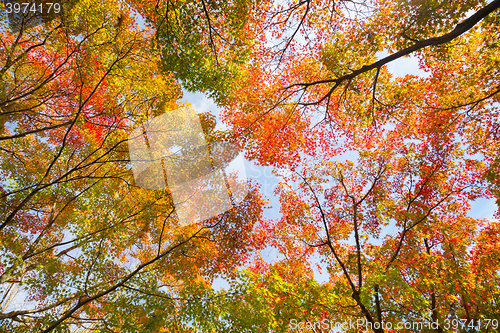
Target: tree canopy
[(378, 172)]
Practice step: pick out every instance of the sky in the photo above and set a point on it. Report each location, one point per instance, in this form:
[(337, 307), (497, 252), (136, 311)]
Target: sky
[(481, 209)]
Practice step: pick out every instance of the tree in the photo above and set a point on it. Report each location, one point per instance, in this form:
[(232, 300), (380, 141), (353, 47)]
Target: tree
[(302, 84), (207, 44), (81, 244), (425, 148)]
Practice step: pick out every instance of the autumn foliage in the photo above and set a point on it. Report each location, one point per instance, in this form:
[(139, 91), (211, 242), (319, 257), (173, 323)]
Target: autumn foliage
[(378, 172)]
